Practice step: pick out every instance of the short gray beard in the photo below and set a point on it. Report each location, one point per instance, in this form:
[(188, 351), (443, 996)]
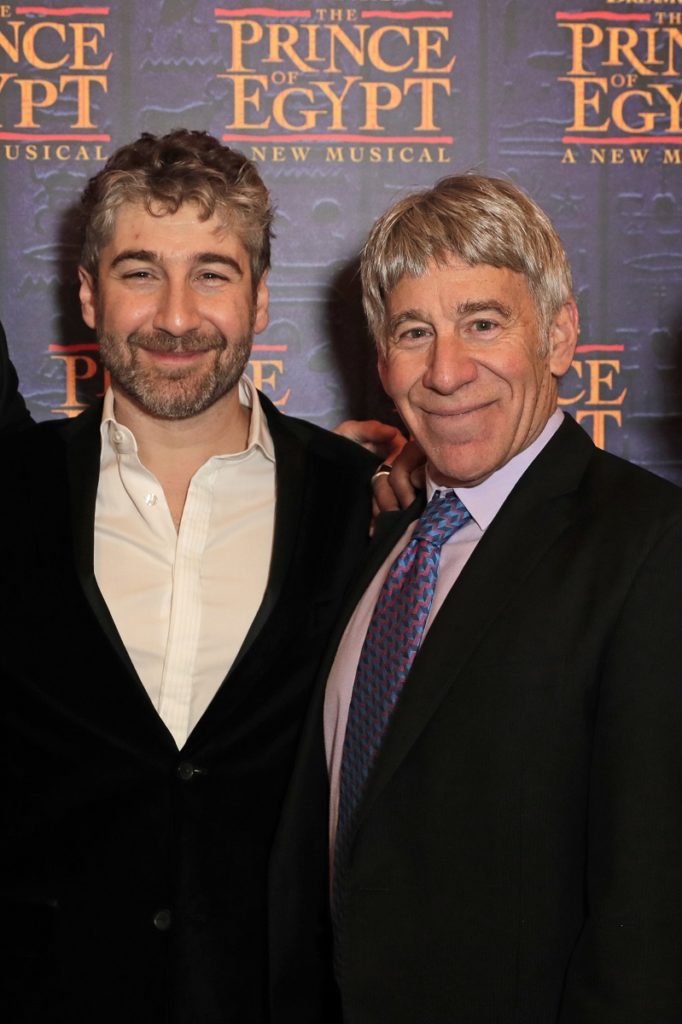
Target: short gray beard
[(183, 393)]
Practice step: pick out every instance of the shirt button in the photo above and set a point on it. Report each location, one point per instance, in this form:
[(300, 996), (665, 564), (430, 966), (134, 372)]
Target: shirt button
[(162, 920), (119, 436), (186, 771)]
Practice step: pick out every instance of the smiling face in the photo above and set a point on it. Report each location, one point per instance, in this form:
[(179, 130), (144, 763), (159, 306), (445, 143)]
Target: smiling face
[(462, 363), (174, 309)]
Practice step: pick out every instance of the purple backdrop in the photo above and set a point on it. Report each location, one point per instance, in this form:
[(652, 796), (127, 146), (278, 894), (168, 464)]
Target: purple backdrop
[(344, 106)]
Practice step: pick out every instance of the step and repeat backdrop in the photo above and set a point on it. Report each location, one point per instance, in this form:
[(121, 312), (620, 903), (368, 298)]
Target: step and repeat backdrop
[(344, 107)]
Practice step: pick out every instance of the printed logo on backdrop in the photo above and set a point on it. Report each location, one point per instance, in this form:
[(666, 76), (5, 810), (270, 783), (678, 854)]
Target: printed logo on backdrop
[(84, 373), (623, 94), (624, 83), (339, 84), (55, 63), (54, 68), (592, 391)]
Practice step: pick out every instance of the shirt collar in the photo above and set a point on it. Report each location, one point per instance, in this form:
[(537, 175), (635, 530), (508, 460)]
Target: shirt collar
[(122, 441), (485, 500)]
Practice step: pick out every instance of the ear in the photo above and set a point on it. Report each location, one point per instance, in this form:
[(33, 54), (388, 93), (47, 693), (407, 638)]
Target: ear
[(262, 316), (88, 296), (563, 337)]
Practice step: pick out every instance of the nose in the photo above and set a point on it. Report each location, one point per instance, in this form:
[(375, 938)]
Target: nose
[(450, 365), (176, 312)]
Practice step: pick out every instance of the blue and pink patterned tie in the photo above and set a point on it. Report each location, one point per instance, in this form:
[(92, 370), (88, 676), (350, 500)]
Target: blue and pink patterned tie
[(393, 638)]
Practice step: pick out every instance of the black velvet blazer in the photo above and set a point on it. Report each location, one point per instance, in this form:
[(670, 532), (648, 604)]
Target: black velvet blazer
[(136, 878)]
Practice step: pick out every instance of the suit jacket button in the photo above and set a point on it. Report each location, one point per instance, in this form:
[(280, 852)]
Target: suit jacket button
[(187, 771), (162, 920)]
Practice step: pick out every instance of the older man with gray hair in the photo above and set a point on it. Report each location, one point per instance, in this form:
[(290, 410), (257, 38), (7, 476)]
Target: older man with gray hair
[(504, 709)]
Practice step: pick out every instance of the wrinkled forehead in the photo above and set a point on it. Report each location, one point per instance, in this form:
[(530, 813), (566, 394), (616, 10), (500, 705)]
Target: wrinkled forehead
[(454, 273)]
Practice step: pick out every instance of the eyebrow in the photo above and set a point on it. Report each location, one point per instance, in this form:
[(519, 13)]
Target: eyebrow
[(482, 306), (139, 255), (148, 256), (404, 316)]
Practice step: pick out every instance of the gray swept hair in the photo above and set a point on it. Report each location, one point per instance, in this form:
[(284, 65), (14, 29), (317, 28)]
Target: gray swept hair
[(477, 219)]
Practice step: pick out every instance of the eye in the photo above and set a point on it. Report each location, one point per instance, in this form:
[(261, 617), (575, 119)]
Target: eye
[(411, 334), (213, 278), (137, 275), (483, 326)]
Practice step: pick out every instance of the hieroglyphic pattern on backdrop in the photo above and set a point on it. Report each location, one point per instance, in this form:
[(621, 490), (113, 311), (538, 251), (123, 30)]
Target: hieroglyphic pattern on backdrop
[(344, 106)]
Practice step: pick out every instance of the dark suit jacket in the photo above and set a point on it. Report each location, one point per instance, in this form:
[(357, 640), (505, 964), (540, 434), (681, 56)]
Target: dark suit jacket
[(518, 854), (13, 413), (135, 878)]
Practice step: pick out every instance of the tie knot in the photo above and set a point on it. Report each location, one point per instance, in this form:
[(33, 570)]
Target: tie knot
[(444, 514)]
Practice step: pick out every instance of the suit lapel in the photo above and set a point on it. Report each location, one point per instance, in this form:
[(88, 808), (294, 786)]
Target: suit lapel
[(537, 512), (83, 445), (130, 707), (291, 472), (290, 469)]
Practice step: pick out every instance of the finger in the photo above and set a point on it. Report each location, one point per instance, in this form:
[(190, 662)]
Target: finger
[(379, 438), (393, 446), (383, 495), (408, 474), (418, 477), (403, 489)]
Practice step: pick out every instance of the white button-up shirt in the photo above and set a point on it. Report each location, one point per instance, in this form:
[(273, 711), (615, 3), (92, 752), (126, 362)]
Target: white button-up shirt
[(183, 601)]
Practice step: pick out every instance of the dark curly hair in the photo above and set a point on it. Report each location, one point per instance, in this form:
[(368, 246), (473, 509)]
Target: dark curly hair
[(162, 173)]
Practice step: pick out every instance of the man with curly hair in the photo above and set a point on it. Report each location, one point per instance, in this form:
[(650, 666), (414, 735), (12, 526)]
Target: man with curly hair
[(161, 633)]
